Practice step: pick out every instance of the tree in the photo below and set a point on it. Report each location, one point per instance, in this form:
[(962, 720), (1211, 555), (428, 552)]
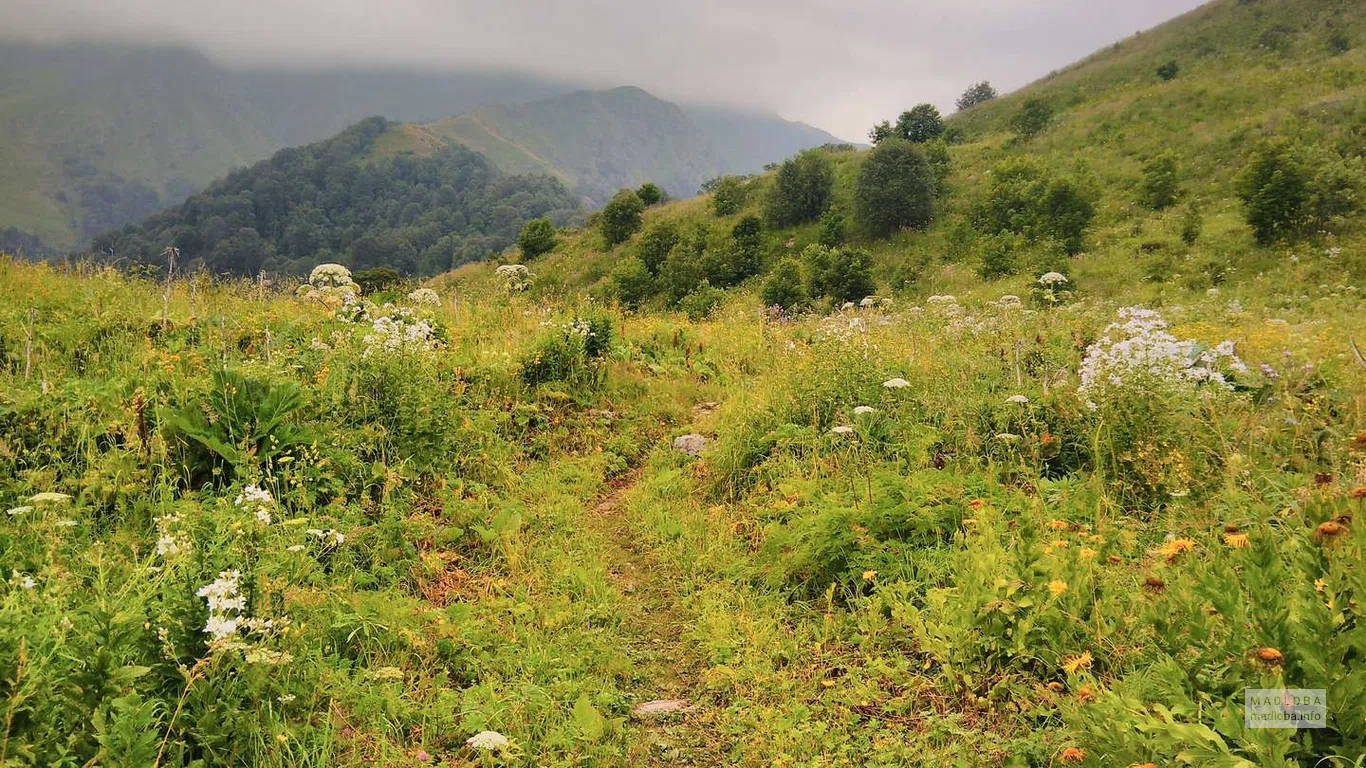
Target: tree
[(537, 238), (650, 194), (895, 189), (1160, 188), (832, 229), (727, 195), (784, 287), (1032, 119), (980, 93), (881, 132), (1168, 71), (1275, 190), (921, 124), (621, 218), (656, 244), (680, 274), (375, 280), (801, 189)]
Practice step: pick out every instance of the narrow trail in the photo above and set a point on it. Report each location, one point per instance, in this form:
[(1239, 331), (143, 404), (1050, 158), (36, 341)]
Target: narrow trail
[(667, 673)]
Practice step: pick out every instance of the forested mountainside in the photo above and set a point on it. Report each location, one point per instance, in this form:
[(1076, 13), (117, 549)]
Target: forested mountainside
[(331, 200)]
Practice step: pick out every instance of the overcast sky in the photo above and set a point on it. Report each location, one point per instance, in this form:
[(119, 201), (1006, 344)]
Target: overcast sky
[(838, 64)]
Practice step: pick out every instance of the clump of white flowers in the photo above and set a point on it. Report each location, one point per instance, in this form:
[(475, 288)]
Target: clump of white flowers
[(398, 333), (226, 605), (169, 542), (256, 500), (1139, 352), (516, 277), (425, 297), (897, 383), (864, 410), (1017, 400), (1052, 289), (330, 537), (24, 581)]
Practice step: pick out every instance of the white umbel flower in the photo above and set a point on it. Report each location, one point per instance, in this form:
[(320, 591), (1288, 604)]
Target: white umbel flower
[(864, 409), (487, 741), (1017, 400), (896, 383)]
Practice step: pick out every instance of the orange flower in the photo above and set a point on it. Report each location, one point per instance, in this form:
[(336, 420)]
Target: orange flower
[(1062, 544), (1154, 584), (1144, 765), (1057, 525), (1175, 548), (1055, 686), (1359, 442), (1358, 493), (1329, 530), (1087, 553), (1085, 695), (977, 503), (1270, 656), (1236, 540), (1076, 663), (1072, 755), (1115, 560)]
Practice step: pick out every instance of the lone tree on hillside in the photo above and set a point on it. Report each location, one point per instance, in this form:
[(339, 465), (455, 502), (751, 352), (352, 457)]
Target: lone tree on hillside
[(537, 238), (621, 218), (895, 189), (1032, 119), (801, 189), (977, 94), (920, 124)]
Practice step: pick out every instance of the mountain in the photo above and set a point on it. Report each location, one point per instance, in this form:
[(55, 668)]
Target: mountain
[(97, 135), (335, 201), (598, 142)]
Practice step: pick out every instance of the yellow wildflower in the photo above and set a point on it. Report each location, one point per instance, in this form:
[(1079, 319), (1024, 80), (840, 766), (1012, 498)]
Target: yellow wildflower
[(1087, 553), (1057, 587), (1076, 663), (1236, 540), (1174, 548), (869, 575)]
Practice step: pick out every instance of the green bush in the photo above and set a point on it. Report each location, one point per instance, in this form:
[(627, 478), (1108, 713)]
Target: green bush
[(681, 273), (840, 275), (1034, 117), (1192, 223), (832, 234), (801, 189), (621, 218), (698, 304), (1168, 71), (785, 286), (574, 353), (650, 194), (920, 124), (537, 238), (727, 195), (632, 283), (1161, 187), (998, 256), (656, 244), (375, 280), (895, 189), (1024, 198), (980, 93), (1274, 188)]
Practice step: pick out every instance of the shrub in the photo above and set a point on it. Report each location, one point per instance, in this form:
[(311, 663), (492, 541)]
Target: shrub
[(727, 195), (832, 233), (998, 256), (650, 194), (839, 275), (895, 189), (1274, 188), (1033, 118), (656, 244), (621, 218), (801, 189), (785, 286), (1160, 188), (980, 93), (376, 280), (701, 301), (573, 353), (1025, 199), (632, 283), (537, 238), (1192, 223), (881, 132), (920, 124), (1168, 71), (680, 273)]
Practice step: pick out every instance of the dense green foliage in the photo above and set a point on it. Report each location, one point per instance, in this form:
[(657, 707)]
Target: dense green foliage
[(727, 194), (895, 189), (621, 218), (785, 287), (1034, 117), (323, 203), (801, 189), (537, 238), (650, 194), (1024, 198), (918, 125), (1161, 186)]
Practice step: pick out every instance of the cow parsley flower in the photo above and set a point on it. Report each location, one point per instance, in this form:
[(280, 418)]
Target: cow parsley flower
[(843, 430), (425, 297), (486, 741), (896, 383), (330, 276), (1017, 400), (516, 277), (391, 335), (1052, 279), (864, 409)]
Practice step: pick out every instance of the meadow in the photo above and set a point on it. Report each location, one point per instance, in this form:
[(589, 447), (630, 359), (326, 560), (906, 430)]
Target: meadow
[(252, 525)]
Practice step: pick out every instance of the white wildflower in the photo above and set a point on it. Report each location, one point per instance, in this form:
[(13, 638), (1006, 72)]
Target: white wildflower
[(25, 581), (1051, 279), (330, 276), (1139, 352), (13, 511), (295, 548), (257, 501), (896, 383), (487, 741), (516, 277), (868, 301), (50, 497), (1017, 400), (843, 430), (425, 297), (226, 605), (864, 409)]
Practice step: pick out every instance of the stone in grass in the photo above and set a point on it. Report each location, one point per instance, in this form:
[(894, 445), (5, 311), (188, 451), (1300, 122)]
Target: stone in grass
[(659, 708), (692, 444)]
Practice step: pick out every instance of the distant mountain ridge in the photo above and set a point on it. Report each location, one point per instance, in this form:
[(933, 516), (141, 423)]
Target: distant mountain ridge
[(98, 135)]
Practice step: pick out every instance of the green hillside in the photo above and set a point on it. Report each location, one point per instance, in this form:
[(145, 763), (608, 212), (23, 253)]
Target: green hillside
[(1246, 73), (334, 201), (98, 135)]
